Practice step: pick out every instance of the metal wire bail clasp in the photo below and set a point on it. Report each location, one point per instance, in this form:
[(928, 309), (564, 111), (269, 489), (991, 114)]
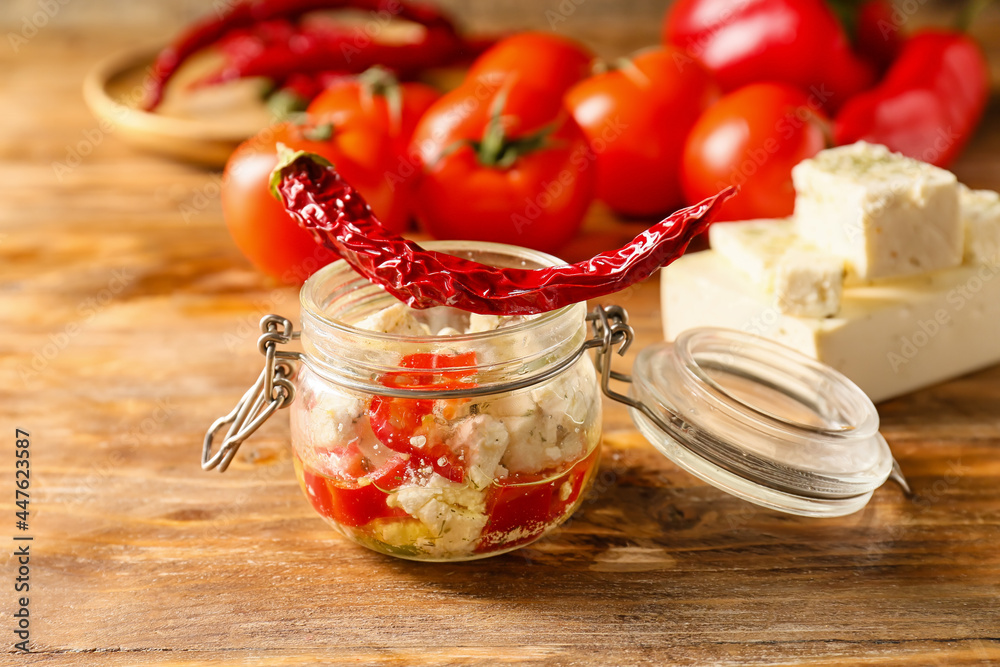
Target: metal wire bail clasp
[(611, 328), (272, 392)]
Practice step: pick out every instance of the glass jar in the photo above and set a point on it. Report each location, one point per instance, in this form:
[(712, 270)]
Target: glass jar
[(455, 465), (462, 446)]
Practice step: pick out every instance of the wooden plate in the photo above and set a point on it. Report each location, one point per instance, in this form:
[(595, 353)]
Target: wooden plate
[(201, 126), (204, 125)]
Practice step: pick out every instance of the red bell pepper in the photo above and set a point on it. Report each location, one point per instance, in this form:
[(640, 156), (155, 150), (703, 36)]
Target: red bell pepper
[(877, 33), (929, 103), (800, 42)]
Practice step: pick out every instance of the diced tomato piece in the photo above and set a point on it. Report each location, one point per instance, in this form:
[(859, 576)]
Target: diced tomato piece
[(358, 505), (396, 420), (358, 501), (392, 474)]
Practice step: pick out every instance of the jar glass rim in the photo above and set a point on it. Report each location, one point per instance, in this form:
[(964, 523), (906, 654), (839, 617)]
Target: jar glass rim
[(310, 295)]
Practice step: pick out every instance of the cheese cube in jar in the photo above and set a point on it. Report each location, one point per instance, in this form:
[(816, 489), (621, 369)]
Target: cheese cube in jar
[(410, 434), (887, 215)]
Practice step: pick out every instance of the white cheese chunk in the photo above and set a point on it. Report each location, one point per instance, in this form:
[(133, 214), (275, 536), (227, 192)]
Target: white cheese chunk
[(396, 319), (334, 420), (805, 281), (454, 514), (887, 215), (981, 219), (485, 440), (754, 246), (890, 338), (480, 323), (808, 284)]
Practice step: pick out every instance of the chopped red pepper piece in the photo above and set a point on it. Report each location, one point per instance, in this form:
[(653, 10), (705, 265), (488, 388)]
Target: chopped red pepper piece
[(357, 502), (400, 423), (325, 204), (522, 507)]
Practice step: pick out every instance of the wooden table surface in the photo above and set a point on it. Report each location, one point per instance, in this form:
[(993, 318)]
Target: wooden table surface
[(128, 329)]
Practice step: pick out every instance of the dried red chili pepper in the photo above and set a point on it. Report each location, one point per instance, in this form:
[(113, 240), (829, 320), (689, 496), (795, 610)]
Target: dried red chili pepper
[(250, 13), (321, 50), (929, 103), (322, 202)]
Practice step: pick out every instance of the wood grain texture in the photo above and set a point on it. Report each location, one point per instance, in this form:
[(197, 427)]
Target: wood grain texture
[(130, 322)]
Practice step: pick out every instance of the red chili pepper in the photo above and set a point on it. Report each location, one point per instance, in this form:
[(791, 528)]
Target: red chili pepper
[(312, 50), (929, 103), (800, 42), (322, 202), (250, 13)]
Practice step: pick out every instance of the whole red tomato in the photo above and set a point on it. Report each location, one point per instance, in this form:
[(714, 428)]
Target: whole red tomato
[(262, 230), (752, 138), (502, 163), (377, 99), (637, 118), (543, 60)]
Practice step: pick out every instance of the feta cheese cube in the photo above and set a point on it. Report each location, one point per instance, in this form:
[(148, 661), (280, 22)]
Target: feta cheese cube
[(887, 215), (480, 323), (980, 212), (454, 514), (485, 440), (396, 319), (805, 281), (808, 284), (754, 247), (335, 420)]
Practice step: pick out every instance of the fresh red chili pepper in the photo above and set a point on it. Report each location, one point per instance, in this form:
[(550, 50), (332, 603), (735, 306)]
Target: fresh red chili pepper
[(250, 13), (322, 202), (800, 42), (929, 103)]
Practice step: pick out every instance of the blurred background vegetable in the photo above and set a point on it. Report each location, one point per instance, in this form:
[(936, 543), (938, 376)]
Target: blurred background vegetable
[(752, 138), (535, 126), (637, 116)]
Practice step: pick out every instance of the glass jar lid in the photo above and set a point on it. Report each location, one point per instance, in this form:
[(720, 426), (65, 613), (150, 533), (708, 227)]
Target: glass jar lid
[(761, 421)]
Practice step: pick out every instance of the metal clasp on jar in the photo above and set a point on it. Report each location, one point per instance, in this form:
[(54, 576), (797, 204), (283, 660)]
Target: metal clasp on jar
[(274, 389), (272, 392)]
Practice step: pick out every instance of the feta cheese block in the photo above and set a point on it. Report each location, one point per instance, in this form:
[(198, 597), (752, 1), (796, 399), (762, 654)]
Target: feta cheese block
[(889, 338), (887, 215), (980, 210), (804, 280)]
